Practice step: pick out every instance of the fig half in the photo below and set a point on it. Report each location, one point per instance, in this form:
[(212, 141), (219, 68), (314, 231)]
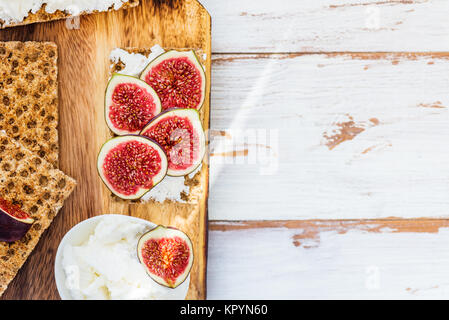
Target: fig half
[(14, 223), (167, 255), (178, 79), (181, 134), (130, 104), (130, 166)]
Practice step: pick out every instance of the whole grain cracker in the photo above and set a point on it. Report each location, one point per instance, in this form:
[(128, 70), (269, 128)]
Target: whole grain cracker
[(194, 184), (43, 16), (29, 96), (39, 189)]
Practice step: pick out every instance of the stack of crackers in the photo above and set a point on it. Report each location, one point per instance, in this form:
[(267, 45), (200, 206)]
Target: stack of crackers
[(29, 151)]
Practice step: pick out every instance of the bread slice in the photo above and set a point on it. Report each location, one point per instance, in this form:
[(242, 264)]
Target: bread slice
[(41, 15), (39, 189), (29, 96)]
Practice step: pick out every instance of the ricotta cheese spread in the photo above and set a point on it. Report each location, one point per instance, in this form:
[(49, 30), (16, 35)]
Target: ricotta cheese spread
[(134, 63), (15, 11), (106, 267), (171, 188)]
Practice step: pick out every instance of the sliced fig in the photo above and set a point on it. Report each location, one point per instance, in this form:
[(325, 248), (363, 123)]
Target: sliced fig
[(14, 222), (130, 166), (130, 104), (167, 255), (181, 134), (178, 78)]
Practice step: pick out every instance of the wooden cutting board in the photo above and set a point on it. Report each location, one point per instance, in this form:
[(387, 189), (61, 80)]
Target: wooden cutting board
[(83, 73)]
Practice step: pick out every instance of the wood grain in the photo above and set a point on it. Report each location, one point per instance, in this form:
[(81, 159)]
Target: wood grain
[(83, 72), (360, 136), (328, 25), (372, 259), (329, 136)]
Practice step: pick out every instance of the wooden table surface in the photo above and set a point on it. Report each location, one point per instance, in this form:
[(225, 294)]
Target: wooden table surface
[(329, 173), (84, 54)]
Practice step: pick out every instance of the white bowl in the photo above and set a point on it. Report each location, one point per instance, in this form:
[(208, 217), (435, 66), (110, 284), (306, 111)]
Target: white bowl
[(79, 234)]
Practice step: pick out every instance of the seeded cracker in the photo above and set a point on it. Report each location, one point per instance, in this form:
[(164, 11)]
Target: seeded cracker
[(29, 96), (39, 189), (42, 16)]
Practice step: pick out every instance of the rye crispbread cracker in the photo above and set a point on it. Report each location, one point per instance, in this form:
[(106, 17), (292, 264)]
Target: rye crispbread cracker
[(39, 189), (191, 189), (43, 16), (29, 96)]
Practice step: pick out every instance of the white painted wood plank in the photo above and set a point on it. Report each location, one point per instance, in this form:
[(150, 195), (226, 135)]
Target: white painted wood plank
[(299, 166), (329, 262), (328, 25)]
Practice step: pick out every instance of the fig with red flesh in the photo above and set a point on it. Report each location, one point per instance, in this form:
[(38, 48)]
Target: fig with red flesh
[(178, 78), (167, 255), (181, 134), (130, 104), (130, 165), (14, 223)]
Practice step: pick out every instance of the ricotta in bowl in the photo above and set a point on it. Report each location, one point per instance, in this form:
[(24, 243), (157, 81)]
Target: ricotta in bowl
[(97, 260)]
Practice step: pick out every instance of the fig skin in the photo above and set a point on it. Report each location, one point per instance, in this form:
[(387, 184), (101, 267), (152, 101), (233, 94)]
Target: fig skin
[(12, 229)]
